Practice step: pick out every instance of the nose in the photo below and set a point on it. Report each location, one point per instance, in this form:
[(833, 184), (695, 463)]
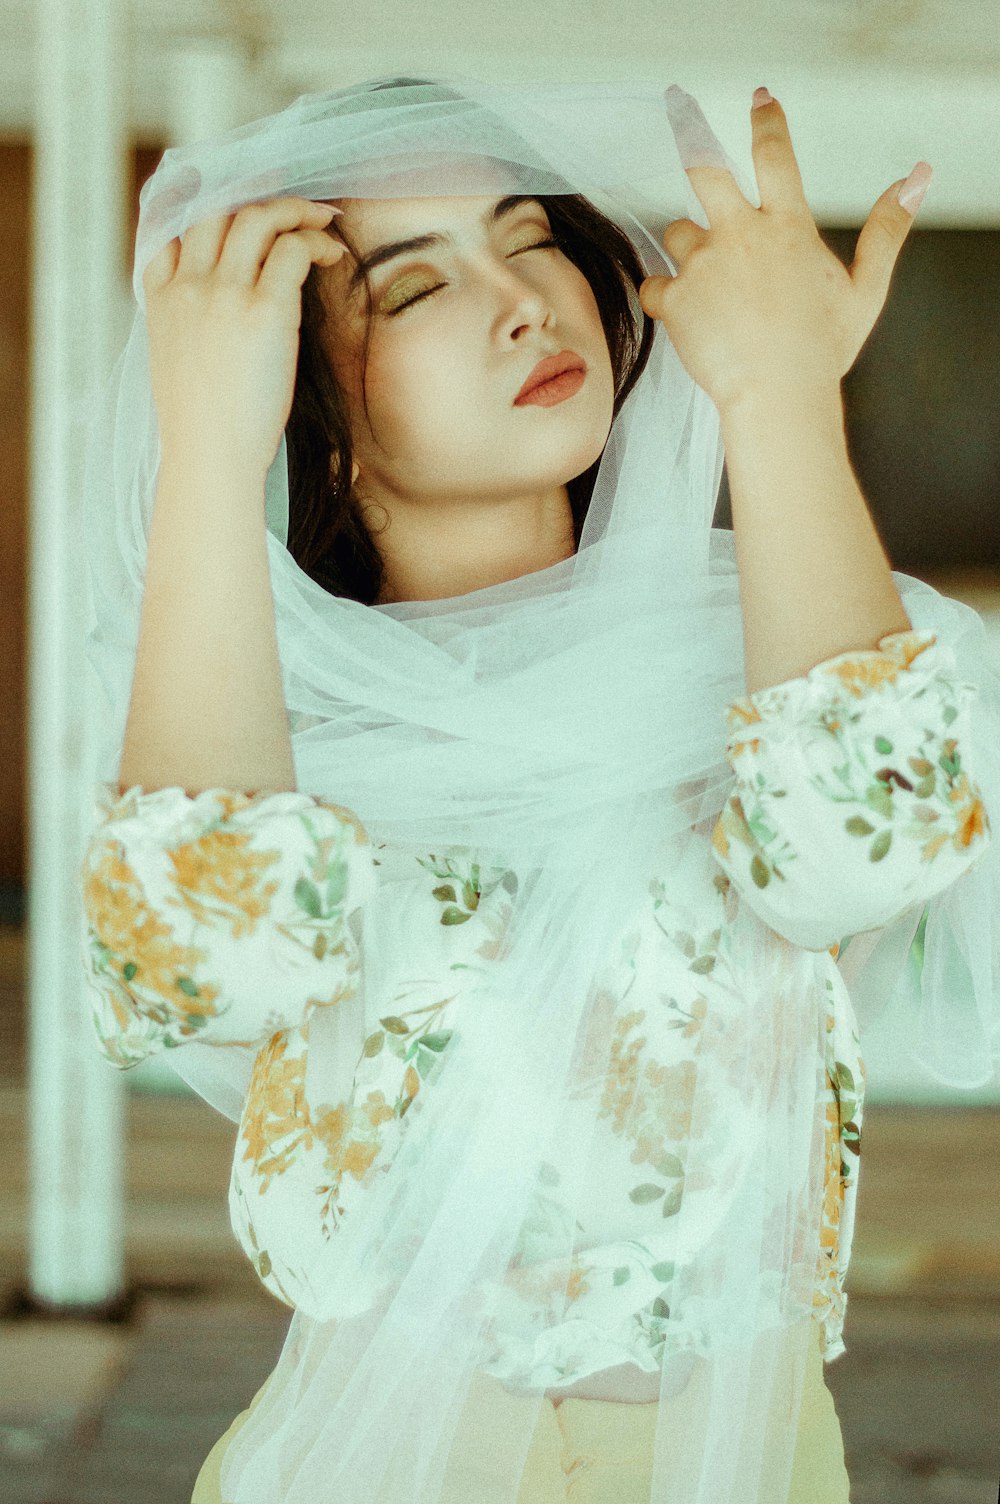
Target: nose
[(521, 303)]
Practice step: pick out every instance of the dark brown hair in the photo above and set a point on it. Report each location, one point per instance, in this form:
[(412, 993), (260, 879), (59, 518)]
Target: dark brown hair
[(326, 535)]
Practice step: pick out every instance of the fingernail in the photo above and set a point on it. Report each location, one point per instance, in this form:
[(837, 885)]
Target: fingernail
[(330, 208), (911, 192), (761, 96)]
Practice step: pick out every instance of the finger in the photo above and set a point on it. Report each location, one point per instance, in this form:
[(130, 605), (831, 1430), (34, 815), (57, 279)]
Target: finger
[(880, 242), (201, 244), (160, 268), (680, 238), (778, 178), (653, 295), (702, 157), (239, 243), (291, 257)]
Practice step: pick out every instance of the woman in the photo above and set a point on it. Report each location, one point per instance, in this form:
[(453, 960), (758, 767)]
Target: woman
[(547, 1076)]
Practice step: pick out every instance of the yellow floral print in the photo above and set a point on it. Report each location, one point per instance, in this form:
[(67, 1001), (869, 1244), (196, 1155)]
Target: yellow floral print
[(222, 918)]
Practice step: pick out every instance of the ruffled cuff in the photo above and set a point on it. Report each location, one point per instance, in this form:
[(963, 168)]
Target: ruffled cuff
[(219, 917), (853, 799)]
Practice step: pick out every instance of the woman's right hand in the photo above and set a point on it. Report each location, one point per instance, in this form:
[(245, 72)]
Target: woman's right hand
[(223, 310)]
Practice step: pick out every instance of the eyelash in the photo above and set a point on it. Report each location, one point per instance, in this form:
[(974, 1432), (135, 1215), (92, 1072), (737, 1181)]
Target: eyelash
[(536, 246)]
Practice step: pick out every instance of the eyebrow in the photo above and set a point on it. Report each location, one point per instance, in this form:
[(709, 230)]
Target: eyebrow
[(395, 248)]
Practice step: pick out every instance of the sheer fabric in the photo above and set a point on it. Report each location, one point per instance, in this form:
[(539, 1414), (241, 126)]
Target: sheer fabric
[(567, 727)]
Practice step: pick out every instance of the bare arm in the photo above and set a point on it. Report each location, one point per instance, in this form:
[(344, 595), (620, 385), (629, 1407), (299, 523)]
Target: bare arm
[(223, 307), (768, 321), (207, 707), (814, 577)]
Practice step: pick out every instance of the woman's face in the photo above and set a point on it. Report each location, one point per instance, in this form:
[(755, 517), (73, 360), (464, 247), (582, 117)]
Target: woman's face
[(443, 370)]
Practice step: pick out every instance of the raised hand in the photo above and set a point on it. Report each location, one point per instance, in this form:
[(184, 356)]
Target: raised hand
[(759, 301), (223, 310)]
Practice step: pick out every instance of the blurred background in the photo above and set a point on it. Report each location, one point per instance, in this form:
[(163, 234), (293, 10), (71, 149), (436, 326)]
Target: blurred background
[(132, 1329)]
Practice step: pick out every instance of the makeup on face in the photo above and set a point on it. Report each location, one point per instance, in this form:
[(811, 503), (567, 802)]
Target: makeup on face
[(381, 254)]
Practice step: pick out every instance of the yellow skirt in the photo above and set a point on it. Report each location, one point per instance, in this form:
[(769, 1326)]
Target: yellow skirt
[(592, 1451)]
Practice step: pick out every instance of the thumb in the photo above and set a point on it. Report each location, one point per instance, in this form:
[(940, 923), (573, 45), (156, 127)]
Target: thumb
[(653, 295), (884, 233)]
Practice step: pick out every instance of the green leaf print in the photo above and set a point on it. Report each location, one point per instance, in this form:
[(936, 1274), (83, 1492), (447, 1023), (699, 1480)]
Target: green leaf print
[(437, 1041), (336, 884), (857, 825), (952, 765), (621, 1275), (662, 1272), (641, 1194), (759, 872), (672, 1205), (880, 846), (880, 799), (187, 986), (881, 745), (669, 1164), (129, 970), (470, 894), (949, 714), (373, 1044), (307, 897), (845, 1078), (660, 1307), (426, 1060), (445, 892), (394, 1025), (451, 915)]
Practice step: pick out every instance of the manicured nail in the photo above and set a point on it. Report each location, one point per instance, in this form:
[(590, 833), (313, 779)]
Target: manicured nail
[(911, 192), (761, 96)]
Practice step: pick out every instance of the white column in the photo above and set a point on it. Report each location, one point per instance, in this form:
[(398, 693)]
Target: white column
[(76, 1100)]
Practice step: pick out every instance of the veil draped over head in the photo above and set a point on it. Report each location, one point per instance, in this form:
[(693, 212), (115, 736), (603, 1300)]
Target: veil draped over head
[(568, 727)]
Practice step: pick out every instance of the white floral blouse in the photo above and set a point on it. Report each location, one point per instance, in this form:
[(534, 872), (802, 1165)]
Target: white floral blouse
[(226, 917)]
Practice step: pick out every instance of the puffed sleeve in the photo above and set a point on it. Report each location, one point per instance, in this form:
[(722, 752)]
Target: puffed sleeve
[(219, 917), (855, 793)]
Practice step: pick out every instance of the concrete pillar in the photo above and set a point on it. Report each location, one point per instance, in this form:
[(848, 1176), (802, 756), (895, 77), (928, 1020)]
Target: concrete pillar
[(76, 1101)]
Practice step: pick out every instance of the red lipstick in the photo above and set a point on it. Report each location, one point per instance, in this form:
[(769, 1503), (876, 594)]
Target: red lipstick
[(553, 379)]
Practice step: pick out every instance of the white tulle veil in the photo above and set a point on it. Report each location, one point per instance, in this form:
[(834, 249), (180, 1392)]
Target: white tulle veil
[(568, 726)]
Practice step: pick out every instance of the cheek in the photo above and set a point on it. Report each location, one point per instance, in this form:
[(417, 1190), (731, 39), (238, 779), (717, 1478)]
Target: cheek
[(412, 372)]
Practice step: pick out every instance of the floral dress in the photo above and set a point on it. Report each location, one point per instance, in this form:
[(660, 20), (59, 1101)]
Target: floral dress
[(229, 917)]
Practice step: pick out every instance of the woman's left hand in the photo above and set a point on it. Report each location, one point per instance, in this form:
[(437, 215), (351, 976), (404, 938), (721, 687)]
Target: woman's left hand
[(759, 301)]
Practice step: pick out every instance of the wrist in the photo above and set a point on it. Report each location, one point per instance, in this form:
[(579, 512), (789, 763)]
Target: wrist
[(212, 459), (785, 402)]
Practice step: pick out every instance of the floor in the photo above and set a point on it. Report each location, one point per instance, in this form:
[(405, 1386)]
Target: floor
[(125, 1411)]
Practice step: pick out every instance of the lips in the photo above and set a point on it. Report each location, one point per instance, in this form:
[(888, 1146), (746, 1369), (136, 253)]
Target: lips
[(552, 365)]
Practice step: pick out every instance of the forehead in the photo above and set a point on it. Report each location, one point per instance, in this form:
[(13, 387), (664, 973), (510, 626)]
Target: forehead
[(443, 175), (455, 183), (377, 219)]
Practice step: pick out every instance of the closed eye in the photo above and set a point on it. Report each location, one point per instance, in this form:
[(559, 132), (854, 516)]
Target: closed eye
[(537, 245)]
